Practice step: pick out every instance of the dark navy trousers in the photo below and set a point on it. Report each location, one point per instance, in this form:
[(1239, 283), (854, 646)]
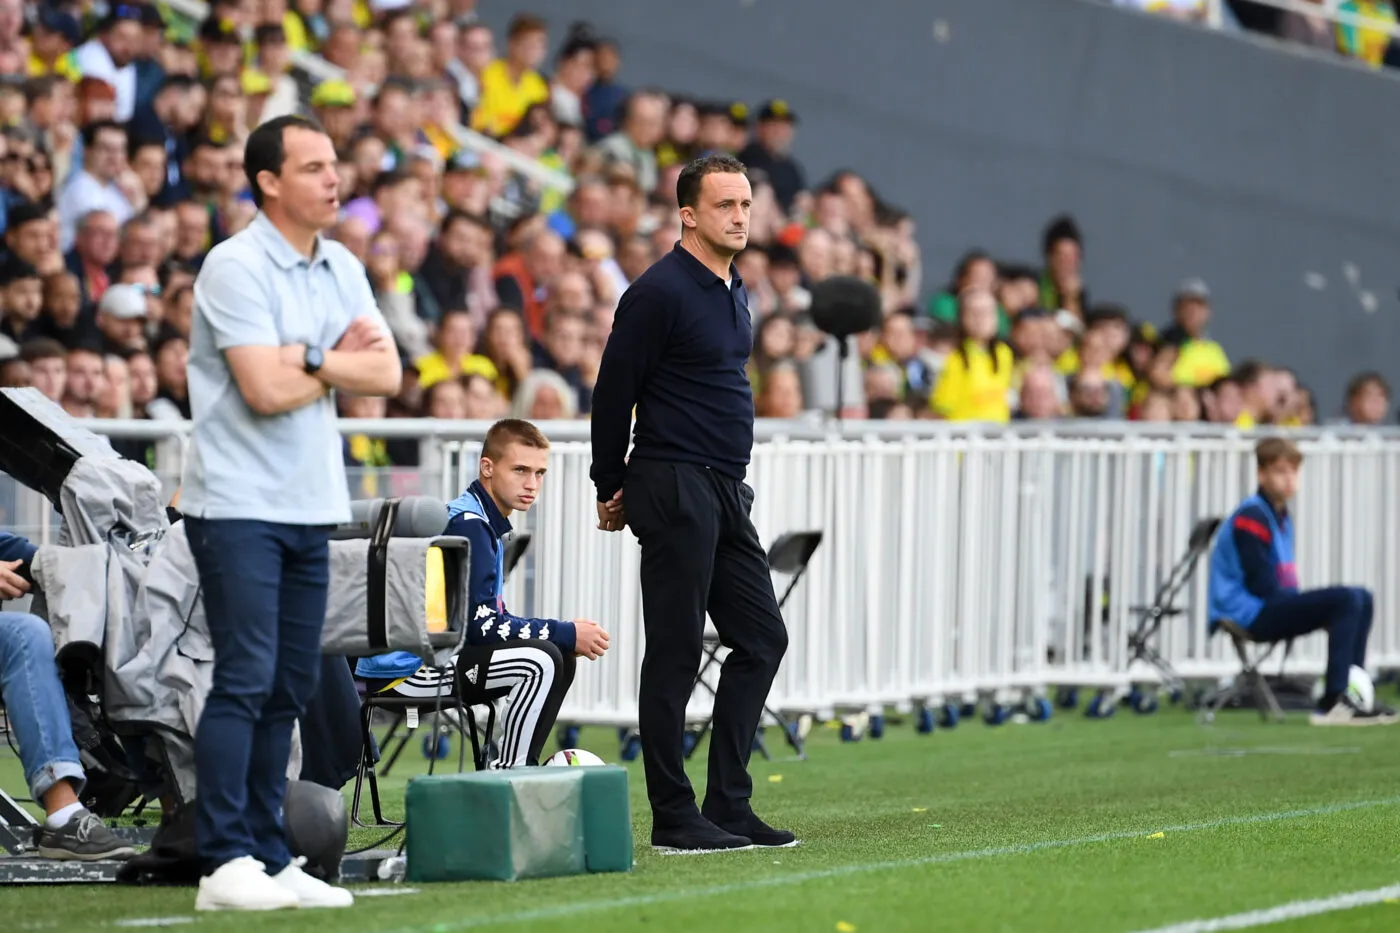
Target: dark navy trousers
[(264, 590), (1344, 611)]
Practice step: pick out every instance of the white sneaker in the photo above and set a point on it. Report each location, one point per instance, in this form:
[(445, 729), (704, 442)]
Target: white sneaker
[(1346, 713), (309, 891), (243, 884)]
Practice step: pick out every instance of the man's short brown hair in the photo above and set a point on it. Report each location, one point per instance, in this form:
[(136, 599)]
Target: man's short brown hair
[(42, 348), (1273, 449), (1249, 373), (1368, 378), (512, 431), (523, 24)]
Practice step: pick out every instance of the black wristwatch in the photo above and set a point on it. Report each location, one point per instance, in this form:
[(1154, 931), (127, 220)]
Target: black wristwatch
[(314, 359)]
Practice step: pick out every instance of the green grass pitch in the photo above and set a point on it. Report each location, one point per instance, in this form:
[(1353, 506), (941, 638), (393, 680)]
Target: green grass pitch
[(1116, 826)]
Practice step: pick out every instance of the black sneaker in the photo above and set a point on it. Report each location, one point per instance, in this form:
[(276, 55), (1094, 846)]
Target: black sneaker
[(697, 838), (84, 838), (760, 833)]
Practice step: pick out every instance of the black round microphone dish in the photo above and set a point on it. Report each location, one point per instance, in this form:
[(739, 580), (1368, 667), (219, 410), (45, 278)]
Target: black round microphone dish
[(844, 305)]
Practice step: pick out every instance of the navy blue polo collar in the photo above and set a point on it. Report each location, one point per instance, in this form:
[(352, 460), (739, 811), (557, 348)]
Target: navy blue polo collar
[(500, 525), (700, 272)]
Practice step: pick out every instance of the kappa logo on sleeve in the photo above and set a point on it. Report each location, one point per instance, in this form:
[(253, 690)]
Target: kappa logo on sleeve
[(486, 615)]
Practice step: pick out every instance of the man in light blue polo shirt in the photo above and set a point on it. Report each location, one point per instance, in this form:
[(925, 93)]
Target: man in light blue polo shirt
[(281, 318)]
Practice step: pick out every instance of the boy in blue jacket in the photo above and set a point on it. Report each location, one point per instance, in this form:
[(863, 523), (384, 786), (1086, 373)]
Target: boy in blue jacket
[(38, 713), (1254, 583), (529, 661)]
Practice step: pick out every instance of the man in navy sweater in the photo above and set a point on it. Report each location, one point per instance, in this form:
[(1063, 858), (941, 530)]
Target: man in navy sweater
[(1254, 583), (677, 354), (38, 713), (529, 661)]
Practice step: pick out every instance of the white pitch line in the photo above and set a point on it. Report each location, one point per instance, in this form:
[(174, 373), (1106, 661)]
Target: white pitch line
[(839, 871), (384, 892), (1290, 911), (1225, 752)]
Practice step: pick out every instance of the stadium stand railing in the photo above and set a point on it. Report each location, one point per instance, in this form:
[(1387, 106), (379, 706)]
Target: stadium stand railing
[(960, 561)]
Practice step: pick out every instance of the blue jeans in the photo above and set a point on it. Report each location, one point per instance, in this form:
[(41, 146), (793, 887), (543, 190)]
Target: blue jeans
[(264, 590), (1345, 611), (36, 705)]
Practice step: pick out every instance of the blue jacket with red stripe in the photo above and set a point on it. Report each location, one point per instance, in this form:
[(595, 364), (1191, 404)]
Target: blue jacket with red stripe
[(1252, 562)]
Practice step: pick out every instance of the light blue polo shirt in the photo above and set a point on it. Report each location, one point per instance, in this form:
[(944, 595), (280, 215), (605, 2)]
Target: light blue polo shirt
[(255, 289)]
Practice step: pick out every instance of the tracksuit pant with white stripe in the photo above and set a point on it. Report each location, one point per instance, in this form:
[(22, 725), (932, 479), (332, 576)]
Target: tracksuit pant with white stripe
[(532, 675)]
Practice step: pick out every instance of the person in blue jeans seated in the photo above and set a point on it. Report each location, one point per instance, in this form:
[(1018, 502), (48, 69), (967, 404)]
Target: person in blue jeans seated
[(38, 714), (1254, 584), (528, 661)]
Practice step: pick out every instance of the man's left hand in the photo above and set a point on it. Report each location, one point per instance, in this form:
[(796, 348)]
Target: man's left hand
[(611, 516), (364, 333), (12, 585)]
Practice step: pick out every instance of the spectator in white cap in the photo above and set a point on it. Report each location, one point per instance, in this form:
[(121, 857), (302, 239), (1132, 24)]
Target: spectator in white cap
[(121, 317)]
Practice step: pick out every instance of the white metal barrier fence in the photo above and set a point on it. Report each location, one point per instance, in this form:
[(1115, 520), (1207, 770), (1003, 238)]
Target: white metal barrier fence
[(956, 561), (968, 564)]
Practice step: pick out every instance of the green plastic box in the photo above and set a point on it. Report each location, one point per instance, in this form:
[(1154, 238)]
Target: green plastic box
[(519, 823), (607, 818)]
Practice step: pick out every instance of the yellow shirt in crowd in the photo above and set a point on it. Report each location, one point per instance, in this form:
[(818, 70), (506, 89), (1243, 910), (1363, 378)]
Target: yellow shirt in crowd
[(503, 102), (295, 31), (1370, 40), (441, 140), (1116, 370), (1199, 363), (65, 66), (433, 368), (975, 389)]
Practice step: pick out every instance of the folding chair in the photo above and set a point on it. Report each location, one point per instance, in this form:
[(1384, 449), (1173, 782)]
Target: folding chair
[(1250, 677), (406, 713), (789, 554), (1164, 604)]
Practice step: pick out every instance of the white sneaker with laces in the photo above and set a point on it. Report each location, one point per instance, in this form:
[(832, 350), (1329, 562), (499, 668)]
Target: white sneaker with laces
[(309, 891), (243, 884)]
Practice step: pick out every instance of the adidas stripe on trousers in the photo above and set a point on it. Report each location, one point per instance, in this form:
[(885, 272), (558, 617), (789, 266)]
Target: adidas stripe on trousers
[(532, 675)]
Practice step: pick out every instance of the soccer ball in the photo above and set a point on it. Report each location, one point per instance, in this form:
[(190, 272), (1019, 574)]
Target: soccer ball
[(573, 757), (1360, 689)]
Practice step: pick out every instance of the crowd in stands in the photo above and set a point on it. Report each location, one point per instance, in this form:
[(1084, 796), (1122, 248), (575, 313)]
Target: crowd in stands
[(1365, 32), (121, 166)]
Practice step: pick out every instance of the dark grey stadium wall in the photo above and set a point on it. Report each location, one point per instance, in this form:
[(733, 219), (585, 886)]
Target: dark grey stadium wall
[(1271, 174)]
